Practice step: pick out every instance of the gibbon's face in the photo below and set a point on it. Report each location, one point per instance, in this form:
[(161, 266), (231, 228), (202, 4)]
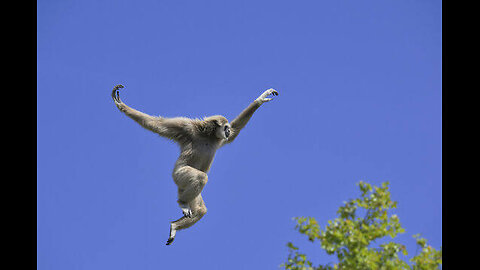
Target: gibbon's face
[(223, 131), (218, 126)]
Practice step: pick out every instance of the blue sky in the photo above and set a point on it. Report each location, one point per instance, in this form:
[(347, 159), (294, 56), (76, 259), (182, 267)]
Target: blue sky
[(360, 99)]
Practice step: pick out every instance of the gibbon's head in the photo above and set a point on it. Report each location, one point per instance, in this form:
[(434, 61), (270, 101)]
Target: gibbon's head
[(218, 126)]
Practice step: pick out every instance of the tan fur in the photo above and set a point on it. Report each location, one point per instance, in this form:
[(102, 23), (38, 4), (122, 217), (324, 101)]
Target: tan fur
[(199, 139)]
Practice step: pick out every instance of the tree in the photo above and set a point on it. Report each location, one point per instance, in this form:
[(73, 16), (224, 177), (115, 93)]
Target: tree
[(352, 235)]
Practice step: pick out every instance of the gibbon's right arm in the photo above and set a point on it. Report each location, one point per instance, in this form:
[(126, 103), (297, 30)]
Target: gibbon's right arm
[(172, 128), (242, 119)]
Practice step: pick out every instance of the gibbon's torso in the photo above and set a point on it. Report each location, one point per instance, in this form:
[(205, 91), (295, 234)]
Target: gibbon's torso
[(198, 154)]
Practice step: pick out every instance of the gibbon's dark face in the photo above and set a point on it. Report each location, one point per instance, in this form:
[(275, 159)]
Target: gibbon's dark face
[(226, 130), (223, 131)]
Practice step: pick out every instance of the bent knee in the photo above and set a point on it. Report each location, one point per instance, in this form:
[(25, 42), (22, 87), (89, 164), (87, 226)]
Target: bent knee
[(202, 211), (203, 179)]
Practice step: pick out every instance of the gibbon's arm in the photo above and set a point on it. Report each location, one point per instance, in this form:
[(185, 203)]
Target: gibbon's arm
[(172, 128), (242, 119)]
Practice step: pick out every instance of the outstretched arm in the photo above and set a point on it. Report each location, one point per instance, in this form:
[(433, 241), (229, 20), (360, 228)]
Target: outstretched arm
[(242, 119), (172, 128)]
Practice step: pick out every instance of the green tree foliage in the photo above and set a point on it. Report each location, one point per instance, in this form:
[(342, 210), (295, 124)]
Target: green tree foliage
[(352, 235)]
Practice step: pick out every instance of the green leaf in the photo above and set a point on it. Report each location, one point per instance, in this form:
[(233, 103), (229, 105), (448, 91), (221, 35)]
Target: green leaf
[(349, 237)]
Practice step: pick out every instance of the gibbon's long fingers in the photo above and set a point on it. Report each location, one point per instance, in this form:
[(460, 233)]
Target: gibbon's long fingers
[(115, 93), (270, 95), (273, 93), (118, 86), (118, 97)]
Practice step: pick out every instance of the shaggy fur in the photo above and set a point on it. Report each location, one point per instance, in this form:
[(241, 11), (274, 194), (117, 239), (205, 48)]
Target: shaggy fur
[(199, 139)]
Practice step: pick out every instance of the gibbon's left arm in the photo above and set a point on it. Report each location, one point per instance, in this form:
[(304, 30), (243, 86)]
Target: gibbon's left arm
[(242, 119), (173, 128)]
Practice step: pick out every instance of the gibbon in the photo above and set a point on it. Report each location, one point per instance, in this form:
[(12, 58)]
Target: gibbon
[(198, 139)]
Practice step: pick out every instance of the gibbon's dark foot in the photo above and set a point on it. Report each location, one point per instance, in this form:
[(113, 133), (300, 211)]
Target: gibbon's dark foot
[(172, 234), (115, 93), (187, 212), (169, 241)]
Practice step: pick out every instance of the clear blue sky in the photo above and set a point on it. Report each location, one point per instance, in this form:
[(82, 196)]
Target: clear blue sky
[(360, 99)]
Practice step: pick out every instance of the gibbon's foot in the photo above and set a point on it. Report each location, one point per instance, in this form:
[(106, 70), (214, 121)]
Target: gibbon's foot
[(115, 95), (171, 237), (187, 212), (169, 241)]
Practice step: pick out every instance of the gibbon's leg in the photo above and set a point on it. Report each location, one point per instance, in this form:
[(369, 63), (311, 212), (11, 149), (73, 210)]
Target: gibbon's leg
[(198, 211), (190, 182)]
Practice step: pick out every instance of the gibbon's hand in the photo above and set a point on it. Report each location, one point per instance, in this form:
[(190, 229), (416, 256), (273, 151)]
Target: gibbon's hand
[(116, 97), (267, 96)]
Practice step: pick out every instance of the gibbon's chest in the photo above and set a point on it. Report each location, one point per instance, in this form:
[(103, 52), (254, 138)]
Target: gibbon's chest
[(204, 150), (203, 153)]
